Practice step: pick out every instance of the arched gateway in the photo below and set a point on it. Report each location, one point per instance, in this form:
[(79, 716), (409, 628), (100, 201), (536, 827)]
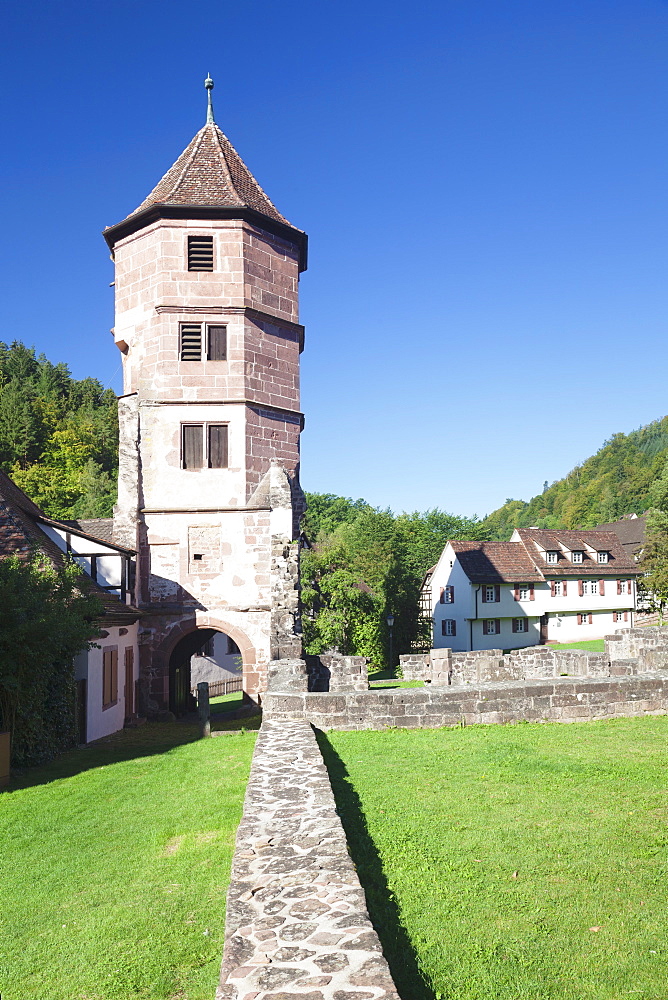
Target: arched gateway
[(206, 286)]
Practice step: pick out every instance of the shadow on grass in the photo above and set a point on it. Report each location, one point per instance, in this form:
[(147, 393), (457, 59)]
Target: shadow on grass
[(143, 741), (383, 910)]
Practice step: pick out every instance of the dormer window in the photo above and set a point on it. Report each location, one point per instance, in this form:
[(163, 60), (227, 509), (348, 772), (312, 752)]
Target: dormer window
[(602, 557), (577, 555), (552, 556)]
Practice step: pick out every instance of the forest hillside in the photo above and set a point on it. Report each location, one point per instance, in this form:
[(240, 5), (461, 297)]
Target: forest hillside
[(613, 482), (58, 435)]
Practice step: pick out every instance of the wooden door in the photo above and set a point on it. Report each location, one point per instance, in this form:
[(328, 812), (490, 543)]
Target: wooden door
[(129, 682), (543, 629)]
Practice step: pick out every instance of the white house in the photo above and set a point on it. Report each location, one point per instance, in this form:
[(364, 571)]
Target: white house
[(106, 675), (541, 586)]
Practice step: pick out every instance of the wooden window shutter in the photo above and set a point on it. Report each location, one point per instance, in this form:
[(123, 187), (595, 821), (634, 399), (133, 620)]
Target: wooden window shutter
[(451, 594), (553, 589), (516, 593), (217, 343), (590, 619), (514, 624), (200, 253), (193, 442), (443, 632), (626, 616), (217, 446), (564, 589), (601, 587), (580, 588), (532, 593), (191, 342), (106, 678), (442, 598), (497, 626), (619, 587), (484, 593), (114, 675), (497, 594), (630, 586), (454, 627), (579, 619)]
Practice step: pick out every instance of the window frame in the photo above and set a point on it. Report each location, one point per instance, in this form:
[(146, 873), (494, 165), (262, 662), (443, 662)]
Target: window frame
[(109, 677), (577, 556), (520, 625), (602, 556), (448, 627), (206, 426), (494, 622), (204, 332), (190, 250), (552, 556)]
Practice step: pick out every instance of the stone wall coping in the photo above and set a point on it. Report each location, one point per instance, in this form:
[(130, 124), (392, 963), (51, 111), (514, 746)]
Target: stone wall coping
[(297, 925)]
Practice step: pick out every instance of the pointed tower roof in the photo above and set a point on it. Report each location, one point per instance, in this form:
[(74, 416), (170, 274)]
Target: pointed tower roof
[(210, 172), (209, 181)]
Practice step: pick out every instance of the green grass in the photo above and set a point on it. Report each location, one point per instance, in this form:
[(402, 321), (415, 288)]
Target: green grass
[(227, 702), (522, 862), (593, 645), (390, 680), (115, 861)]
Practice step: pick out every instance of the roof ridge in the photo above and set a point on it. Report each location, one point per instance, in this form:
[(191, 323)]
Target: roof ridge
[(226, 167)]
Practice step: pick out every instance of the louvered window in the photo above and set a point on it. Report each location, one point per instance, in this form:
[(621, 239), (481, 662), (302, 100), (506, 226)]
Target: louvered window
[(217, 343), (200, 253), (204, 446), (191, 342)]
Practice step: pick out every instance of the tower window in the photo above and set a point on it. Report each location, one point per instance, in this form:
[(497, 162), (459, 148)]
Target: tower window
[(216, 343), (200, 253), (191, 342), (204, 446)]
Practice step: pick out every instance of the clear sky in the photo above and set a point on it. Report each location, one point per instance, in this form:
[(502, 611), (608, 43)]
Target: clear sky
[(484, 187)]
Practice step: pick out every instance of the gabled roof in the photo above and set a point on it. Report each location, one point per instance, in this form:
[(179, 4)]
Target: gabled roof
[(20, 535), (210, 172), (630, 530), (619, 562), (496, 562)]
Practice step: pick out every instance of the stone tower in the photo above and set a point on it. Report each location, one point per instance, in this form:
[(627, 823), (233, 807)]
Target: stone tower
[(206, 288)]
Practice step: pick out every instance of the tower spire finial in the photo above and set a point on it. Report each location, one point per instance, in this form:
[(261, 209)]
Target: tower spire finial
[(208, 83)]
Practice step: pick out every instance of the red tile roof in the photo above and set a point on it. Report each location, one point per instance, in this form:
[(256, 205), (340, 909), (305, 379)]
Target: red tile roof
[(496, 562), (210, 172), (619, 562)]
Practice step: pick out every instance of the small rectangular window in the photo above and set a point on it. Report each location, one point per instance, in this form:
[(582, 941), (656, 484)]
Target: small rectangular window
[(217, 434), (491, 626), (109, 677), (193, 446), (576, 555), (191, 342), (200, 253), (448, 626), (520, 625), (216, 348), (602, 557), (552, 556), (490, 595)]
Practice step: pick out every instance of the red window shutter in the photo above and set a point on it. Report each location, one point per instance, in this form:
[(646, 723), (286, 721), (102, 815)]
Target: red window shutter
[(497, 594), (484, 594), (619, 587), (553, 589), (532, 595), (497, 626), (454, 628), (564, 589), (590, 619), (442, 598), (516, 595), (630, 586), (580, 588), (601, 587), (626, 616)]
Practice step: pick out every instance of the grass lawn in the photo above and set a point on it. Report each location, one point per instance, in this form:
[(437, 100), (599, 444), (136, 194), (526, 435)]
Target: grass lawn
[(388, 679), (593, 645), (226, 702), (115, 860), (519, 862)]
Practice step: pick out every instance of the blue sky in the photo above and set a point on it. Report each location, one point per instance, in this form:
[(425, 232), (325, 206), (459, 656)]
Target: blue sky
[(484, 188)]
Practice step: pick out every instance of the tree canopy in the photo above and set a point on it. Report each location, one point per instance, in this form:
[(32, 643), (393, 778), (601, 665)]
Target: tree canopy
[(58, 435)]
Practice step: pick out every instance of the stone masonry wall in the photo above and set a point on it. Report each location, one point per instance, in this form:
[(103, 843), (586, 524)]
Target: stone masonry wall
[(559, 699), (297, 926)]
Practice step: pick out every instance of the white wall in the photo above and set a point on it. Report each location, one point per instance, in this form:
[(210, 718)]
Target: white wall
[(88, 666), (221, 666), (110, 562)]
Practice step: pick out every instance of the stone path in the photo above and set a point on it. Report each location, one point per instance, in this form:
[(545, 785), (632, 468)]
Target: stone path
[(297, 926)]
